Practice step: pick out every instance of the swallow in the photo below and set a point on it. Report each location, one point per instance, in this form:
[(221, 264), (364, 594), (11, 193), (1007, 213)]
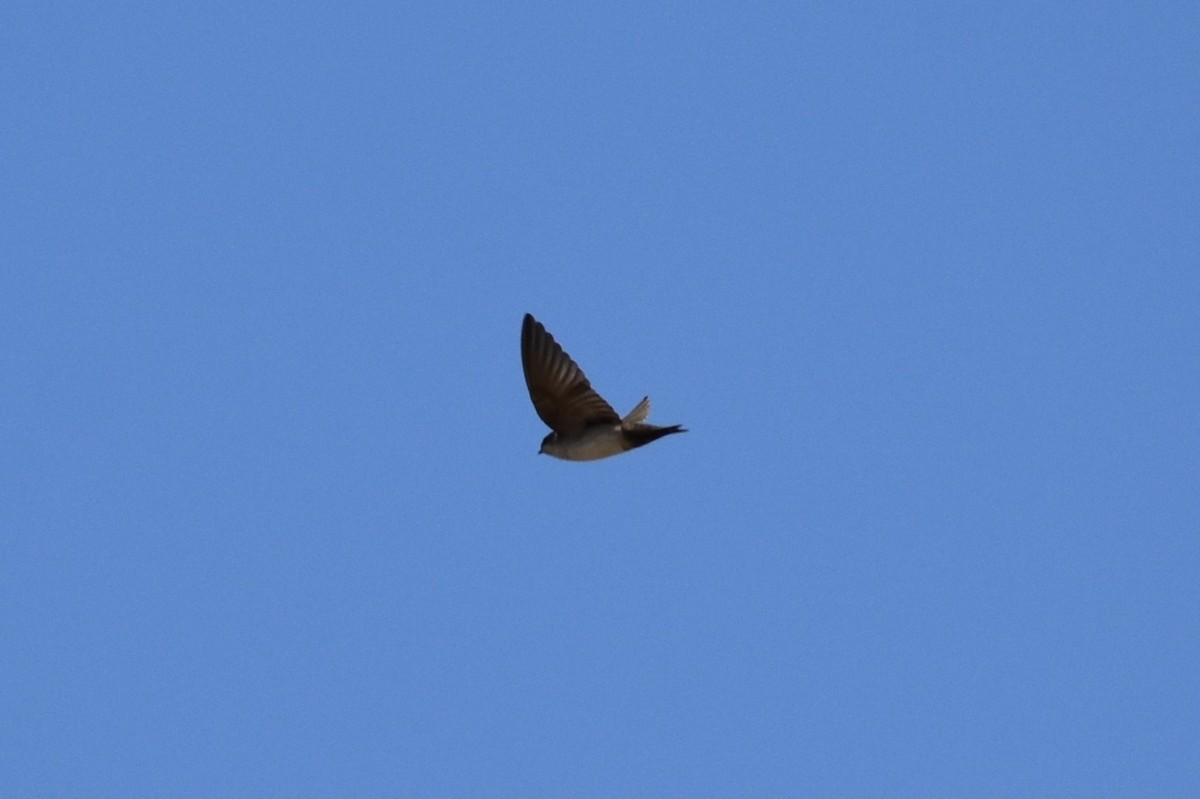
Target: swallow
[(585, 427)]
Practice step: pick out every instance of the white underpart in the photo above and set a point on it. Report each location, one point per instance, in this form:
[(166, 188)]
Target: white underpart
[(598, 442)]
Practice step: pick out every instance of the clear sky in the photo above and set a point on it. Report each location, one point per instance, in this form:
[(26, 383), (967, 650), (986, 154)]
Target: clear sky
[(921, 280)]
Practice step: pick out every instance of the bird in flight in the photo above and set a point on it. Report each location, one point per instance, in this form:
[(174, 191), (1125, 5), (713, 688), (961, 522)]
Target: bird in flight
[(586, 428)]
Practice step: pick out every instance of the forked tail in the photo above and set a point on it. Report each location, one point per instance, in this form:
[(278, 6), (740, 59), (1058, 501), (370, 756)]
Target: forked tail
[(639, 435)]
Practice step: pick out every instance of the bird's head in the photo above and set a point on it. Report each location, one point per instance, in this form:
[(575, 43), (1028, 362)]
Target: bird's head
[(546, 442)]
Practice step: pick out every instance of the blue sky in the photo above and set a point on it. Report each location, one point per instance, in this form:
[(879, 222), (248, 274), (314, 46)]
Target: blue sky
[(921, 281)]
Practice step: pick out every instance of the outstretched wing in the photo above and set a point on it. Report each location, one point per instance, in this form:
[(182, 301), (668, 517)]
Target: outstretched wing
[(561, 393)]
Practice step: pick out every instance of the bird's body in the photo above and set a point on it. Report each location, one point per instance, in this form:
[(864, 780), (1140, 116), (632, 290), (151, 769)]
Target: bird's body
[(595, 442), (601, 440), (586, 428)]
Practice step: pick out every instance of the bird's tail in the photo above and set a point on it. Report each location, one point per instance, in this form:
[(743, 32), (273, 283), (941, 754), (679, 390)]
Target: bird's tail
[(639, 435)]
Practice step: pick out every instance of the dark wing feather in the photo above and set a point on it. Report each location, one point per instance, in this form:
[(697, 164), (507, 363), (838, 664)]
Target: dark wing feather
[(561, 393)]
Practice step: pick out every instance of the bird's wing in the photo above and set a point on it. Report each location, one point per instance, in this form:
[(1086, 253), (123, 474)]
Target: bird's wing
[(639, 412), (560, 390)]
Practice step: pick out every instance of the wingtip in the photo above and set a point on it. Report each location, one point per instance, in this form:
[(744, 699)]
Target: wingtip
[(528, 327)]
